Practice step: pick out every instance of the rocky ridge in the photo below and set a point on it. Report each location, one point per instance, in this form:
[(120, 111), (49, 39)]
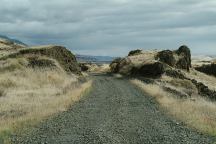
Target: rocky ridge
[(155, 64), (152, 63)]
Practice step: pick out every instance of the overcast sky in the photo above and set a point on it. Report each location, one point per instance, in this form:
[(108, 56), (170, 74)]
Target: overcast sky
[(112, 27)]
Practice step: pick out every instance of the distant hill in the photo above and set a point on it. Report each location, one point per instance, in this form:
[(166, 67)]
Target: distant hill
[(12, 40), (94, 59)]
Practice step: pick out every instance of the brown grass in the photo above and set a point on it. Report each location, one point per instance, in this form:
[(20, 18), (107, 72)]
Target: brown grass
[(180, 85), (94, 68), (30, 95), (201, 77), (197, 113), (102, 69)]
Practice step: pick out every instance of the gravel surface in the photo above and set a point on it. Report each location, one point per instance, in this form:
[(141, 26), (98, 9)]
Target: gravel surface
[(114, 112)]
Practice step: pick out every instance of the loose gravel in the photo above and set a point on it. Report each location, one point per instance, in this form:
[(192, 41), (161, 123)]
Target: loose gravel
[(114, 112)]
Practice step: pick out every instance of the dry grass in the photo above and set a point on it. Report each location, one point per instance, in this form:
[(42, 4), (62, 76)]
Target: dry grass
[(201, 77), (31, 95), (102, 69), (180, 85), (145, 57), (96, 68), (197, 112)]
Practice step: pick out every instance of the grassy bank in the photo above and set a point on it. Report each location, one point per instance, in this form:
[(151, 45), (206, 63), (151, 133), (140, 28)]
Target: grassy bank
[(196, 112), (30, 95)]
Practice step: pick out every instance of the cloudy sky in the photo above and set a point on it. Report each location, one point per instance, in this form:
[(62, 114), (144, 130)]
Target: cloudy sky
[(112, 27)]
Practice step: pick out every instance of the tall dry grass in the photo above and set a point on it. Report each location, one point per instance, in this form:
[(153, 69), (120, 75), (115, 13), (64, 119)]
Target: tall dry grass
[(201, 77), (198, 112), (30, 95)]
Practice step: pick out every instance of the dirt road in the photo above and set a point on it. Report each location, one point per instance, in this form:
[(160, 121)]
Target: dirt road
[(114, 112)]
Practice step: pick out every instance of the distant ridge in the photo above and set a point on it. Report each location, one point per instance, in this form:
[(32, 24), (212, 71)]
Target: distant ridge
[(12, 40)]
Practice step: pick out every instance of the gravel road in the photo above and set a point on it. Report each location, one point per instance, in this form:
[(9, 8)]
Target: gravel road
[(114, 112)]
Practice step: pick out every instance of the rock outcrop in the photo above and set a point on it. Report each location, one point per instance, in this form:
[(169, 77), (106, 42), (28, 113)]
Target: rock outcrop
[(153, 63), (114, 66), (84, 67), (175, 64), (204, 90), (175, 73), (167, 57), (207, 69), (135, 52), (60, 54), (153, 70), (180, 58)]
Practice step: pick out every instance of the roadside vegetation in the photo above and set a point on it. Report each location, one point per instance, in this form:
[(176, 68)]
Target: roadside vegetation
[(36, 84), (196, 111), (29, 95), (171, 79)]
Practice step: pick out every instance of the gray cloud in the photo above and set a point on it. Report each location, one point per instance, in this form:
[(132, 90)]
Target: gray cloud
[(112, 27)]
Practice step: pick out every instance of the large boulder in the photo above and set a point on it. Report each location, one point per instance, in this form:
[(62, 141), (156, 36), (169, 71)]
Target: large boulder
[(180, 58), (152, 70), (184, 61)]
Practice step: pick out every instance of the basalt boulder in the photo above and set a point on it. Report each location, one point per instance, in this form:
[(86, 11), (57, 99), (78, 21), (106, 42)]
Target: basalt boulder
[(180, 58), (152, 70)]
